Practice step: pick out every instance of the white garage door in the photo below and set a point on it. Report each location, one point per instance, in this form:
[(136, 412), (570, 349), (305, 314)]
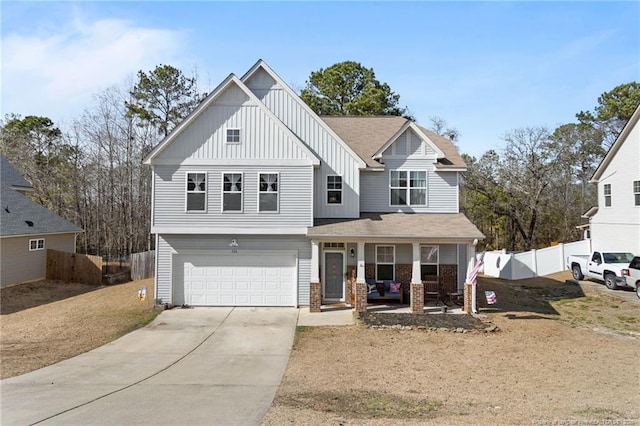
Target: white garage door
[(239, 280)]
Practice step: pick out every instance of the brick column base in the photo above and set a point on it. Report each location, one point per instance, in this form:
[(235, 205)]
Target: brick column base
[(361, 297), (416, 305), (467, 298), (315, 297)]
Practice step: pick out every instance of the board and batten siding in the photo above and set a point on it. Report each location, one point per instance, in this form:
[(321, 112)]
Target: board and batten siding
[(170, 243), (442, 189), (295, 198), (335, 158), (19, 264), (260, 137)]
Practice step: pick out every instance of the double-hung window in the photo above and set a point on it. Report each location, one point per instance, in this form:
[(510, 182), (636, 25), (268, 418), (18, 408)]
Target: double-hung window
[(268, 192), (408, 188), (334, 189), (196, 192), (607, 194), (232, 192), (37, 244), (636, 192), (385, 262), (428, 260)]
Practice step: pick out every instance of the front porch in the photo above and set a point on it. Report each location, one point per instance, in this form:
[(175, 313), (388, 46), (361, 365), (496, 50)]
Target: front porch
[(410, 258)]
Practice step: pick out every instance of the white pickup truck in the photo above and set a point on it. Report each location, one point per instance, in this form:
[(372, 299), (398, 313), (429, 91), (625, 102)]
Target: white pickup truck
[(605, 266)]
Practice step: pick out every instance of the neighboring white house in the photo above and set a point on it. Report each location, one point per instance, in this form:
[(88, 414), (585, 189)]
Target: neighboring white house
[(258, 201), (615, 223), (27, 230)]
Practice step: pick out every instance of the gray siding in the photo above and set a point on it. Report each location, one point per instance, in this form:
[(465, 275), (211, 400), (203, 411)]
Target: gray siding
[(336, 159), (180, 243), (295, 198), (18, 264), (442, 188)]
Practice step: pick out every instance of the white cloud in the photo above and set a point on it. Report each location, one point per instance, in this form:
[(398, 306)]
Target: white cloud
[(55, 74)]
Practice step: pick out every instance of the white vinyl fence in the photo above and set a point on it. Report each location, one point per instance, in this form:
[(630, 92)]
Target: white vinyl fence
[(534, 263)]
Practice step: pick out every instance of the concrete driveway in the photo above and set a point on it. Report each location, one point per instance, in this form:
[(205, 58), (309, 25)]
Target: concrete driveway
[(204, 366)]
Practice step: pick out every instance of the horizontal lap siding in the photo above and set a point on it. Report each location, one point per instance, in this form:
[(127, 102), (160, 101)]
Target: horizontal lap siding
[(336, 160), (179, 243), (18, 264), (295, 197), (442, 189)]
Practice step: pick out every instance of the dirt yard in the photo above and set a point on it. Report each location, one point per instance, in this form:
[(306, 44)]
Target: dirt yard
[(47, 321), (563, 354)]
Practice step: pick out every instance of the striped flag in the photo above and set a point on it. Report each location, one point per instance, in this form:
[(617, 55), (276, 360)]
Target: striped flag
[(472, 273), (491, 297)]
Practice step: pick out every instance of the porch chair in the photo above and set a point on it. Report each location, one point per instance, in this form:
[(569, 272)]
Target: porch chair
[(431, 288), (450, 289)]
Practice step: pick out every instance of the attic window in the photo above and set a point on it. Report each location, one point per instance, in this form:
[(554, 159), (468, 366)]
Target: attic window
[(233, 135), (37, 244)]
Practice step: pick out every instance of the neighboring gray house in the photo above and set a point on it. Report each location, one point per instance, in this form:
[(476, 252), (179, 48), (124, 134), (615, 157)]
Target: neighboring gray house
[(27, 229), (257, 200), (615, 223)]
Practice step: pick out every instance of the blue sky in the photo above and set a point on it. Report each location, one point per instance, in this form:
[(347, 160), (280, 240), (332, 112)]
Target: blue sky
[(485, 67)]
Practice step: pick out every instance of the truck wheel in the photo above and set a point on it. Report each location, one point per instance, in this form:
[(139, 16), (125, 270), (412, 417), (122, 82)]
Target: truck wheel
[(577, 273), (638, 290), (610, 281)]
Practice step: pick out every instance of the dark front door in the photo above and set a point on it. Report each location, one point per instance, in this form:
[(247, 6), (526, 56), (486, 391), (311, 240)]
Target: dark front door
[(333, 275)]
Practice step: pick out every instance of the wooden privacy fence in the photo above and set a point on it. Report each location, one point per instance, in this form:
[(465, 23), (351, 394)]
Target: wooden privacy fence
[(143, 265), (74, 267)]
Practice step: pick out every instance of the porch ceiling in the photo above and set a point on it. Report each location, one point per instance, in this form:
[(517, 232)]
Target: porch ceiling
[(454, 226)]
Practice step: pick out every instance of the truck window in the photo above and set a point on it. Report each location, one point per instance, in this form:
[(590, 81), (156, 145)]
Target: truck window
[(596, 257)]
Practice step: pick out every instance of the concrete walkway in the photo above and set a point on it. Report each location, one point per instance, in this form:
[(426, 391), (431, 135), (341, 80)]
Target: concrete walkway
[(203, 366)]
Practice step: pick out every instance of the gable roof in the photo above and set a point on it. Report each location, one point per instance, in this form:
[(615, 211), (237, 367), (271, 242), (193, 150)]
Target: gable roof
[(209, 100), (263, 65), (622, 137), (11, 177), (21, 216), (367, 135)]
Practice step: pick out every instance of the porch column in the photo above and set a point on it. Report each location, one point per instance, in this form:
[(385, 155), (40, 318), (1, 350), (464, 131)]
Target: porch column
[(360, 278), (315, 287), (361, 283), (415, 272), (416, 292), (469, 297)]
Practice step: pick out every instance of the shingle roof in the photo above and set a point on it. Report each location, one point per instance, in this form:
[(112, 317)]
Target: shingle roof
[(366, 135), (398, 225), (20, 215), (18, 211), (11, 177)]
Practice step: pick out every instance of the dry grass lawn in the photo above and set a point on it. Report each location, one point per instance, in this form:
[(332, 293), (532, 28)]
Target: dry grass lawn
[(563, 355), (47, 321)]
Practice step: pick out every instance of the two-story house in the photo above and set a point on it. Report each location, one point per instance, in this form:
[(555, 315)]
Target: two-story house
[(258, 201), (615, 223)]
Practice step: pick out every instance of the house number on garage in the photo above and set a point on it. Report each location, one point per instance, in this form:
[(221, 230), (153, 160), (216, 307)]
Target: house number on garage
[(234, 246)]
